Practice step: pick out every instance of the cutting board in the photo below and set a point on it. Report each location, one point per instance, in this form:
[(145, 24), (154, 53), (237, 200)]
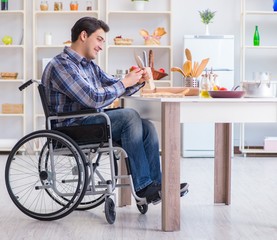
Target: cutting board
[(170, 92)]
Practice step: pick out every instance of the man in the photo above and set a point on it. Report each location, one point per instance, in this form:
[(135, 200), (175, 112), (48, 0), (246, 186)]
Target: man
[(74, 82)]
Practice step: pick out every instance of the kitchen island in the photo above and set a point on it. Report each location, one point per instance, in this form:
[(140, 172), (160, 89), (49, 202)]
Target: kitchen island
[(220, 111)]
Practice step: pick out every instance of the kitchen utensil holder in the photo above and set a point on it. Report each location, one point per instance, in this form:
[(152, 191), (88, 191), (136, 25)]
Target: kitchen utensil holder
[(191, 82)]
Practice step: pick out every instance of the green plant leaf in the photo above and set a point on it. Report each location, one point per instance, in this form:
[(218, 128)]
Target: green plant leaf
[(207, 16)]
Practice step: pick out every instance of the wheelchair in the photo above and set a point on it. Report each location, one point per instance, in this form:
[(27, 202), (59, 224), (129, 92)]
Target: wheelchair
[(50, 173)]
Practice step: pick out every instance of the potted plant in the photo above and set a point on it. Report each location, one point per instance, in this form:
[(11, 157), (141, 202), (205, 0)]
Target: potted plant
[(207, 17), (139, 4)]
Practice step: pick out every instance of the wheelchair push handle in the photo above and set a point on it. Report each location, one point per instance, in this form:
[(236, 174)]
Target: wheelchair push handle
[(26, 84)]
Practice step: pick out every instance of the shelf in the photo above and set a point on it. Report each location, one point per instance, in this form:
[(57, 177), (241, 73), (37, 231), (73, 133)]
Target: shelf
[(260, 13), (11, 80), (12, 115), (12, 46), (256, 150), (8, 12), (64, 12), (139, 12), (50, 46), (123, 19), (260, 47), (13, 59), (256, 58), (141, 46)]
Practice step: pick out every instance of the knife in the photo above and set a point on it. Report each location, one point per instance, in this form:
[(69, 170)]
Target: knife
[(139, 61), (145, 59)]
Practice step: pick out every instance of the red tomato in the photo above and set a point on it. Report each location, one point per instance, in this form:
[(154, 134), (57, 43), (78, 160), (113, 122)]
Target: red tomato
[(162, 70), (223, 89)]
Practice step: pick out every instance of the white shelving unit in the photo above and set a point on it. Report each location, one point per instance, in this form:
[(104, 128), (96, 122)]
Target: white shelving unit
[(59, 24), (257, 58), (125, 21), (13, 59)]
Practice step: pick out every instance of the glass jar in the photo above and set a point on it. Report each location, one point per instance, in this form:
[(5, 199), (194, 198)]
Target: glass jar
[(89, 5), (44, 6), (120, 73), (58, 6), (204, 87), (74, 5)]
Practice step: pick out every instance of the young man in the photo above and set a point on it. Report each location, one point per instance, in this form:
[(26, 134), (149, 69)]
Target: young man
[(74, 82)]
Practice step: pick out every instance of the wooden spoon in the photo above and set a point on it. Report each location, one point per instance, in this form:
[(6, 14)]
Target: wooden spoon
[(187, 68), (201, 67), (177, 69), (195, 65), (188, 54)]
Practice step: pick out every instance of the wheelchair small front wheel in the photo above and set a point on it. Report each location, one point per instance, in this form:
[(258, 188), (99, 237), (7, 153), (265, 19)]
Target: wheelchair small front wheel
[(110, 210), (142, 208)]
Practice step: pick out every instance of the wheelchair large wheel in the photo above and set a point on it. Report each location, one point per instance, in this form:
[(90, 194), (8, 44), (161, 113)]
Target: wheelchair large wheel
[(102, 165), (46, 175)]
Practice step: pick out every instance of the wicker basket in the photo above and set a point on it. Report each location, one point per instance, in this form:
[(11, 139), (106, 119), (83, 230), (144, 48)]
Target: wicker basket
[(9, 108), (8, 75), (123, 41)]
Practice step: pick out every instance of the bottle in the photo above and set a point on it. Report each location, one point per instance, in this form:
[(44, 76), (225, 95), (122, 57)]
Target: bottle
[(204, 86), (274, 5), (256, 39), (47, 38), (4, 4)]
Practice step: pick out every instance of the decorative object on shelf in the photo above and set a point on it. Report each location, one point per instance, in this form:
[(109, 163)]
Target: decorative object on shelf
[(153, 39), (119, 40), (274, 5), (139, 5), (48, 38), (74, 6), (44, 6), (7, 40), (8, 75), (9, 108), (4, 5), (58, 6), (206, 17), (89, 5), (256, 38)]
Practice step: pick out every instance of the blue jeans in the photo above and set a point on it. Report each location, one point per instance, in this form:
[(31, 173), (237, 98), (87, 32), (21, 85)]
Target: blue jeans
[(138, 137)]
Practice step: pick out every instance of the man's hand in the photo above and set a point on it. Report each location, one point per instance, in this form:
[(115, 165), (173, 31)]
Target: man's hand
[(147, 74), (134, 77)]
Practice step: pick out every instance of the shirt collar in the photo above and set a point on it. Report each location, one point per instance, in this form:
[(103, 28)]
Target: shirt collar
[(76, 57)]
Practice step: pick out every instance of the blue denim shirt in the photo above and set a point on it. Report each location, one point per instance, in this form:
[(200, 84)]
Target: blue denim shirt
[(73, 83)]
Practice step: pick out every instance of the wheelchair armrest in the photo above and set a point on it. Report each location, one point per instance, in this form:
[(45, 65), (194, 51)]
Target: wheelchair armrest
[(111, 109), (81, 112)]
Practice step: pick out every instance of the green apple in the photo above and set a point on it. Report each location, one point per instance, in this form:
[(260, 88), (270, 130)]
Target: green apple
[(7, 40)]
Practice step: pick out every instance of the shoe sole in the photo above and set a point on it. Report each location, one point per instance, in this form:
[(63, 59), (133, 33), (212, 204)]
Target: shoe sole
[(184, 189)]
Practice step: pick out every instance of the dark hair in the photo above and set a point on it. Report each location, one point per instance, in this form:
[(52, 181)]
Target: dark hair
[(88, 24)]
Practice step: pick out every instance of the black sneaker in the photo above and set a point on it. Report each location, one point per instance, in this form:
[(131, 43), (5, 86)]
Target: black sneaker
[(184, 189), (151, 193)]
